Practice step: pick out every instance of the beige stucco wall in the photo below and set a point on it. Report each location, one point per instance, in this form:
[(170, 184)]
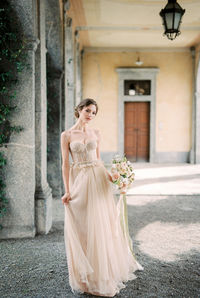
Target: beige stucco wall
[(173, 95)]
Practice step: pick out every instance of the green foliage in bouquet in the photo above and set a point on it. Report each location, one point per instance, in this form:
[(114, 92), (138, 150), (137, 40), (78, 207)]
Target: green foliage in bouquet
[(12, 63)]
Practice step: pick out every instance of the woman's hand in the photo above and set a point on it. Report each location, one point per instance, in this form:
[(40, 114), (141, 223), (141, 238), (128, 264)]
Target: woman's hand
[(109, 177), (66, 198)]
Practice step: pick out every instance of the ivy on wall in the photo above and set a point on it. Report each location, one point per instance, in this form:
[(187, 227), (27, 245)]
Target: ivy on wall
[(12, 63)]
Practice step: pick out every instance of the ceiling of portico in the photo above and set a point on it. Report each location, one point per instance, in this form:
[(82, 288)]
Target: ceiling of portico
[(132, 23)]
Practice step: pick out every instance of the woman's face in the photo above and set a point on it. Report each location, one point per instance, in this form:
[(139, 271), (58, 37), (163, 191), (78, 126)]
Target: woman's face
[(87, 113)]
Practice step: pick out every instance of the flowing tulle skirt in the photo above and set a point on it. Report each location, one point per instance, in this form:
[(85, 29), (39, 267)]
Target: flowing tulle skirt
[(98, 257)]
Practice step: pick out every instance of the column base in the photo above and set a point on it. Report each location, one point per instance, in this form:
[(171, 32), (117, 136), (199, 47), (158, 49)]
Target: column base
[(13, 232), (43, 209)]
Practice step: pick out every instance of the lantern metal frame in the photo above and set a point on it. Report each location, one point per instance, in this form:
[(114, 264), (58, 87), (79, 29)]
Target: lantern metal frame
[(172, 8)]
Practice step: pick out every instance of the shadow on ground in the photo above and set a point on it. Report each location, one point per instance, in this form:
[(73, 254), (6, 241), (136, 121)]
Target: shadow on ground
[(37, 267)]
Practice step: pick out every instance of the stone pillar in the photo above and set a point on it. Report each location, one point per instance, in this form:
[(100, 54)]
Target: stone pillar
[(55, 91), (197, 124), (54, 131), (43, 196), (54, 165), (69, 73), (19, 221), (78, 94), (195, 149)]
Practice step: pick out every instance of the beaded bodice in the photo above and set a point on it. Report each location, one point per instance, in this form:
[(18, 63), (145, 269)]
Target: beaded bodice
[(83, 152)]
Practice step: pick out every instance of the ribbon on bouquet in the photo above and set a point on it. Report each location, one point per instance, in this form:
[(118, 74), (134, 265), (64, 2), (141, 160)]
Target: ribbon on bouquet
[(123, 214)]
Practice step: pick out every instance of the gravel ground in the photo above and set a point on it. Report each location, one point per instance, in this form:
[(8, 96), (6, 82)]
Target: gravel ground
[(165, 230)]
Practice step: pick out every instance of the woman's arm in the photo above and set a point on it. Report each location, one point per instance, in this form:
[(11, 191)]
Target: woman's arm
[(98, 152), (65, 164), (97, 132)]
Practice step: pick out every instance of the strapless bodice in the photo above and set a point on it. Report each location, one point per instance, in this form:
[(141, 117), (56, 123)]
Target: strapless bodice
[(83, 152)]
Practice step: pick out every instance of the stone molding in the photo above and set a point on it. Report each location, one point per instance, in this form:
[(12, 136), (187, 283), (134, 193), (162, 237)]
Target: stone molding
[(195, 148), (66, 4), (69, 73), (41, 193), (16, 231), (172, 157), (130, 73), (68, 21), (160, 157), (132, 50), (43, 209), (130, 28), (32, 44), (78, 81)]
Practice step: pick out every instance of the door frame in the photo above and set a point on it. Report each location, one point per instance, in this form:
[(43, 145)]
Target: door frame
[(135, 74)]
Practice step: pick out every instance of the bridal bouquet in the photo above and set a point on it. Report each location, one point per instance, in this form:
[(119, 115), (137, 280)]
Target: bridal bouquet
[(123, 176), (122, 173)]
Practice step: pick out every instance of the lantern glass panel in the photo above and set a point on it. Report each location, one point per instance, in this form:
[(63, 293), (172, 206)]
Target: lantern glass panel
[(177, 18), (169, 20)]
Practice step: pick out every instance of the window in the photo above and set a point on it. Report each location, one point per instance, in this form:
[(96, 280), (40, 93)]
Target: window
[(137, 87)]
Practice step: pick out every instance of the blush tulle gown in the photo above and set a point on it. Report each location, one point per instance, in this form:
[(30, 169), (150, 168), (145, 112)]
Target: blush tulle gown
[(98, 257)]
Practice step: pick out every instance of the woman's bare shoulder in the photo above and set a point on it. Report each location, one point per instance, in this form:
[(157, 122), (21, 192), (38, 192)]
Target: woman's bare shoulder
[(96, 130), (97, 133), (66, 134)]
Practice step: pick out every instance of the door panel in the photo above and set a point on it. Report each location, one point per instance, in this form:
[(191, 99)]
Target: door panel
[(136, 136)]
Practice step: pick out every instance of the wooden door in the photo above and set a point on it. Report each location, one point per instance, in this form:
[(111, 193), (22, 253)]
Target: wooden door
[(136, 134)]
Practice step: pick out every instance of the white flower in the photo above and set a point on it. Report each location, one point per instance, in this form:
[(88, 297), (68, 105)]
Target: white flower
[(120, 184), (125, 180), (114, 169)]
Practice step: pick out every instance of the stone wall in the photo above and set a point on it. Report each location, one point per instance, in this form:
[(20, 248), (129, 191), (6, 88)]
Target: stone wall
[(33, 173)]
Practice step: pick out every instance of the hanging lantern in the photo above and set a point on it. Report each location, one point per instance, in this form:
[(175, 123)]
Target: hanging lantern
[(172, 15)]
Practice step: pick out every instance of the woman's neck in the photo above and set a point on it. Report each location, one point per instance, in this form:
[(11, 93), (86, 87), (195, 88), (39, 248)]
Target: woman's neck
[(80, 125)]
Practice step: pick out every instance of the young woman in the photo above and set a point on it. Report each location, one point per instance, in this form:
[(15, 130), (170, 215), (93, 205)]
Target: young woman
[(98, 257)]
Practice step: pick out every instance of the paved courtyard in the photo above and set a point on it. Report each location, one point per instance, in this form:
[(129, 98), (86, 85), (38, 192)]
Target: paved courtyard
[(166, 179), (164, 222)]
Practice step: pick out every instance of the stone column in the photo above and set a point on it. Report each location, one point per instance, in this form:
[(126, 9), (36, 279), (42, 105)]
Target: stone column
[(19, 221), (78, 71), (197, 124), (55, 71), (54, 132), (69, 73), (43, 196), (195, 148)]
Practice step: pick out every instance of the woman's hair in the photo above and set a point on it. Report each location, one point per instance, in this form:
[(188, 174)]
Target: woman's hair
[(84, 103)]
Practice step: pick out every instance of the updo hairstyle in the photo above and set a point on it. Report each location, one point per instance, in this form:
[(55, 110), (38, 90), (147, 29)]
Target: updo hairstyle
[(84, 103)]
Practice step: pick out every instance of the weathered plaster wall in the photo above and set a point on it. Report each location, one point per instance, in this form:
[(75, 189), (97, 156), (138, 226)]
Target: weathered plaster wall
[(173, 96)]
